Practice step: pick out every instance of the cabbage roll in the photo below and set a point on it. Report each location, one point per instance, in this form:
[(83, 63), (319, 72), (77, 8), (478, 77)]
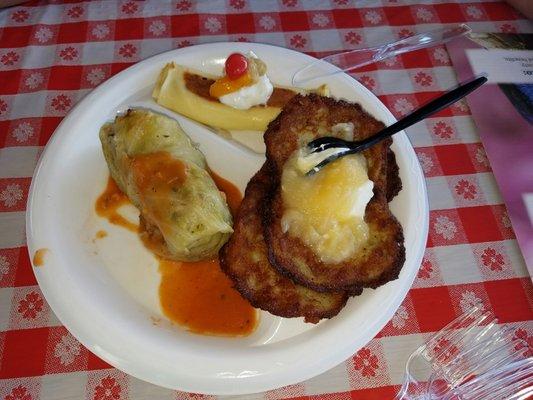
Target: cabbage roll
[(165, 176)]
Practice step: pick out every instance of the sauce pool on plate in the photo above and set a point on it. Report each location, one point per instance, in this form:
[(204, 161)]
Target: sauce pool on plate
[(200, 296), (109, 202), (38, 257), (101, 234), (197, 295)]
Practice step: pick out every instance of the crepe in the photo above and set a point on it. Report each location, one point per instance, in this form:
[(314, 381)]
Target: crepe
[(173, 90), (165, 176), (187, 92)]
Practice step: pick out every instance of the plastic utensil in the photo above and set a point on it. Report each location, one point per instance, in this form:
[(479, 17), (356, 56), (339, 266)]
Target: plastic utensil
[(472, 358), (349, 147), (360, 57)]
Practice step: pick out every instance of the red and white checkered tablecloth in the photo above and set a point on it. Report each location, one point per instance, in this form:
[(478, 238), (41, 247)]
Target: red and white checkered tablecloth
[(52, 55)]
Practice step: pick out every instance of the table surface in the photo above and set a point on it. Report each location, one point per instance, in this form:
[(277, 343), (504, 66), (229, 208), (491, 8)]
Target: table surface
[(52, 55)]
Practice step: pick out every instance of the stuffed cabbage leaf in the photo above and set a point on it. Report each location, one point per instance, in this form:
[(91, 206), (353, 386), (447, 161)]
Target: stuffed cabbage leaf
[(165, 176)]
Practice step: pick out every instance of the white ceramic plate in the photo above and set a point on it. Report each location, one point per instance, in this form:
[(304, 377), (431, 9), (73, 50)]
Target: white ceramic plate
[(105, 291)]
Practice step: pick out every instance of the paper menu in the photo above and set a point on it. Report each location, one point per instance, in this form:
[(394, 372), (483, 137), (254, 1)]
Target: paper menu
[(502, 66), (503, 113)]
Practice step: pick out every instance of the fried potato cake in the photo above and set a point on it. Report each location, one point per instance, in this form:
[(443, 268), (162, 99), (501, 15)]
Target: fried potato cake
[(244, 259), (394, 182), (383, 255)]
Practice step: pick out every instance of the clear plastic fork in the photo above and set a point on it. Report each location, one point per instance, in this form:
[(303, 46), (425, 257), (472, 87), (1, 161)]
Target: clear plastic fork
[(464, 358), (360, 57), (513, 381)]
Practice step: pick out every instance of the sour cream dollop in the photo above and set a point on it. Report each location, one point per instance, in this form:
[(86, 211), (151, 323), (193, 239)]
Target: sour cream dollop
[(249, 96)]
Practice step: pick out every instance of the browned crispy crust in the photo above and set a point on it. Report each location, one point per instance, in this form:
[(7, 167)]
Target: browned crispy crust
[(244, 260), (394, 182), (382, 257)]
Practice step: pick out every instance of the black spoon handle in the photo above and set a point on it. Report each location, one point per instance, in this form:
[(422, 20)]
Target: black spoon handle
[(423, 112)]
